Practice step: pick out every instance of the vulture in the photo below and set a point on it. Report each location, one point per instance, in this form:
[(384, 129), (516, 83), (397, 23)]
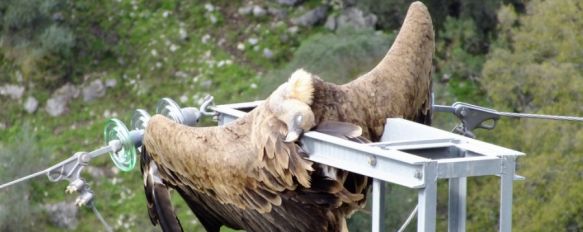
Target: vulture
[(252, 173)]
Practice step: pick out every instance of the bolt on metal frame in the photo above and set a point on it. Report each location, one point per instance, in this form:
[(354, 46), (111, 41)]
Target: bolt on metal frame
[(415, 156)]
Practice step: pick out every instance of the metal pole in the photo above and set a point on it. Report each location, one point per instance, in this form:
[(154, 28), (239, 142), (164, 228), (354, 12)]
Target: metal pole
[(457, 204), (506, 179), (378, 205), (427, 199)]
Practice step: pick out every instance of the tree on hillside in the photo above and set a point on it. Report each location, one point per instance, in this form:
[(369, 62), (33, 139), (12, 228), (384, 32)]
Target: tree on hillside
[(536, 67)]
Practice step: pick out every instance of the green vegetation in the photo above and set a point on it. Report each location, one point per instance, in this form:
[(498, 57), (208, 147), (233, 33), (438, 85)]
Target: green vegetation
[(536, 67), (35, 40), (507, 54), (17, 212)]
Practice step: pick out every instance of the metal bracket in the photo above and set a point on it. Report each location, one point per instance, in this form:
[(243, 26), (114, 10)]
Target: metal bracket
[(70, 170), (471, 117), (207, 105)]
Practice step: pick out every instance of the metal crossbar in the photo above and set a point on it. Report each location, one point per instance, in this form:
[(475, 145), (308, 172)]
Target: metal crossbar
[(415, 156)]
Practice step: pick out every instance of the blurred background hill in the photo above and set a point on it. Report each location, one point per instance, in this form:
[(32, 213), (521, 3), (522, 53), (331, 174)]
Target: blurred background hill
[(68, 65)]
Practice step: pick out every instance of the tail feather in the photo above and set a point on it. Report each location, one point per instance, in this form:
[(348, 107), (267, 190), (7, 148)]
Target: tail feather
[(343, 130), (159, 205)]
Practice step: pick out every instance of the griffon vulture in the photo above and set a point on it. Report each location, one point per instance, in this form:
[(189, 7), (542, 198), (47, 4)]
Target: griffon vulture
[(251, 173)]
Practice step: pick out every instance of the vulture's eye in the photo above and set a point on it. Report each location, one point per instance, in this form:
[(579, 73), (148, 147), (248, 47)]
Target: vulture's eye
[(299, 119)]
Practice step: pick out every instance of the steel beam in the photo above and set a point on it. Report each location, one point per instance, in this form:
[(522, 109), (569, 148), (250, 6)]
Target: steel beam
[(388, 165), (427, 199), (378, 205), (457, 204), (468, 166), (506, 178)]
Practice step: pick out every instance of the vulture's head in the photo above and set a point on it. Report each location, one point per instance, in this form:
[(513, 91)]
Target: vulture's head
[(291, 102)]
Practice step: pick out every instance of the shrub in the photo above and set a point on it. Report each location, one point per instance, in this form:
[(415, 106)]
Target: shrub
[(18, 156), (537, 69), (34, 36)]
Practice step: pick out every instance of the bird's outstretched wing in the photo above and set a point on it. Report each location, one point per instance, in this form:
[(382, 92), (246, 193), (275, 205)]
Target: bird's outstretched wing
[(279, 176)]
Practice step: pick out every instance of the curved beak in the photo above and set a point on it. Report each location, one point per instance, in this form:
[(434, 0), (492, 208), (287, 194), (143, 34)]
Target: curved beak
[(293, 135)]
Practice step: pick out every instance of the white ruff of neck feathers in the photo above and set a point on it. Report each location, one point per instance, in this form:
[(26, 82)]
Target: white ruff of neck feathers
[(300, 87)]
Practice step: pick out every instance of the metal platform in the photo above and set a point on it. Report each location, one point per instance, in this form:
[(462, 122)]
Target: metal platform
[(415, 156)]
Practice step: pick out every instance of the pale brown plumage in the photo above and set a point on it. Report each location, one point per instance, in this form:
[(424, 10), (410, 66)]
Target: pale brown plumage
[(244, 169), (244, 163), (399, 86), (245, 176)]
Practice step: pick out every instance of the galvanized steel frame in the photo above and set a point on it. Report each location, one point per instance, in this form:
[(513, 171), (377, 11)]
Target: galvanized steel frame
[(415, 156)]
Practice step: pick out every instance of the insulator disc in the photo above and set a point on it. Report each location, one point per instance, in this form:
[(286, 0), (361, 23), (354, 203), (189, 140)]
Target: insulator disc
[(125, 158), (139, 120), (170, 109)]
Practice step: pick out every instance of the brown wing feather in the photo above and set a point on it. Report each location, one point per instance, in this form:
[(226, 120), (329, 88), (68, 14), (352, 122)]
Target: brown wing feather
[(225, 162), (285, 159), (160, 208)]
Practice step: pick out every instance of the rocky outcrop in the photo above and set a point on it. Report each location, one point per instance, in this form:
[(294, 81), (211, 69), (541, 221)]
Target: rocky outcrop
[(312, 17), (13, 91), (63, 215), (93, 90), (30, 105), (57, 104), (351, 17)]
